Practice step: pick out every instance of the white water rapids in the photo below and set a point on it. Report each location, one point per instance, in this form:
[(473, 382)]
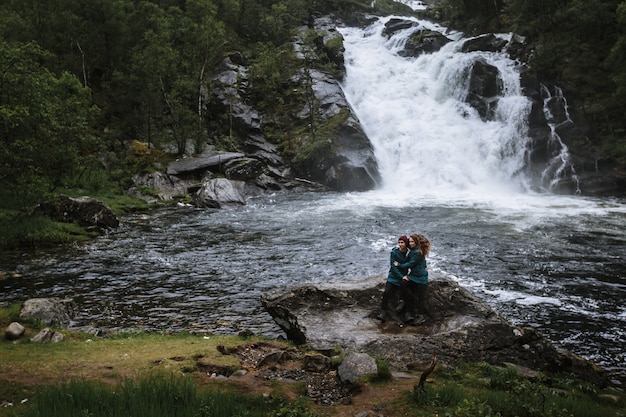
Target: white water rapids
[(434, 150), (426, 138)]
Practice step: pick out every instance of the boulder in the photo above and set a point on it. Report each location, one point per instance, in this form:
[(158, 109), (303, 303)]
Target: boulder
[(487, 43), (166, 187), (348, 162), (424, 41), (47, 335), (485, 87), (218, 192), (355, 366), (14, 331), (316, 362), (85, 211), (258, 147), (459, 327), (244, 169), (212, 162), (397, 24), (51, 311)]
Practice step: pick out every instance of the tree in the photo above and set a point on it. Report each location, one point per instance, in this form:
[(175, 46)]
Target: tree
[(615, 136), (44, 124)]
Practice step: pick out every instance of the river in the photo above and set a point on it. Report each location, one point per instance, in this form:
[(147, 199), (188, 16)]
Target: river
[(552, 262)]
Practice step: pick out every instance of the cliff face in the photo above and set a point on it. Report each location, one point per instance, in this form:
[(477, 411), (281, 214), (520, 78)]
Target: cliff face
[(323, 142), (322, 139)]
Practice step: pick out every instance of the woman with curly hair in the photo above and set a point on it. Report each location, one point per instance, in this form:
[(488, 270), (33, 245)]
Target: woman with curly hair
[(414, 285)]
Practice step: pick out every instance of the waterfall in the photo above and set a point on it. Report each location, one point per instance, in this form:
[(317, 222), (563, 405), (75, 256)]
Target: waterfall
[(557, 115), (426, 137)]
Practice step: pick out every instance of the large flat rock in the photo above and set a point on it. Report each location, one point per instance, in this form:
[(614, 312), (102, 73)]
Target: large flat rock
[(460, 327), (202, 162)]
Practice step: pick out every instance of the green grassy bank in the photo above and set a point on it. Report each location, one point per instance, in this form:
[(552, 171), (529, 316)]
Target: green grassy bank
[(21, 229)]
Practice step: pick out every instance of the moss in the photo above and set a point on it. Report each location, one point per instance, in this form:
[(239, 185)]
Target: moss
[(23, 231)]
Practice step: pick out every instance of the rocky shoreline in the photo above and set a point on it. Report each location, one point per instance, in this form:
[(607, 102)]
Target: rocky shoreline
[(461, 328)]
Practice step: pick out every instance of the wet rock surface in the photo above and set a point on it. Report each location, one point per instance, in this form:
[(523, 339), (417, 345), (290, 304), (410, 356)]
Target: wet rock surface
[(459, 327)]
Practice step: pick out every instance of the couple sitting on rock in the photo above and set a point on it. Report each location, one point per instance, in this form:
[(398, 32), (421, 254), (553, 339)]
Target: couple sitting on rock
[(408, 276)]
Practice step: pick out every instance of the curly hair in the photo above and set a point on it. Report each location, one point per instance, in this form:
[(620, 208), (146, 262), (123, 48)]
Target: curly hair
[(422, 243)]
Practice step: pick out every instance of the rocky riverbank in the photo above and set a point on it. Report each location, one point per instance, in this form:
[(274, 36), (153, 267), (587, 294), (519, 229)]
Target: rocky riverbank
[(459, 328)]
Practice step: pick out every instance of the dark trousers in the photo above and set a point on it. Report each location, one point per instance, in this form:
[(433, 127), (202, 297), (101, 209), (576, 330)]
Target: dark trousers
[(390, 294), (414, 297)]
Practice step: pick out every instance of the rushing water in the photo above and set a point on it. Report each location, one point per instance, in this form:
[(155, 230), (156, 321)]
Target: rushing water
[(551, 262)]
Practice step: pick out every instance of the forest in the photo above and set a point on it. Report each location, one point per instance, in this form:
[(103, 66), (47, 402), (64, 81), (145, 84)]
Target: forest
[(83, 84)]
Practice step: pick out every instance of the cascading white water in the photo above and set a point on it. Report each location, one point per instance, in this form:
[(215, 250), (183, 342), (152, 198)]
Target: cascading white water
[(426, 138), (413, 4), (560, 162)]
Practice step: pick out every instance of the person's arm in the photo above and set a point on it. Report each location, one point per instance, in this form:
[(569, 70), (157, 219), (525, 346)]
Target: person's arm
[(411, 261)]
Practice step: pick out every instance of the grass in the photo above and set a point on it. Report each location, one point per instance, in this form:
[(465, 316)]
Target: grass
[(154, 395), (140, 374), (21, 230), (119, 203), (480, 389), (83, 356), (83, 375)]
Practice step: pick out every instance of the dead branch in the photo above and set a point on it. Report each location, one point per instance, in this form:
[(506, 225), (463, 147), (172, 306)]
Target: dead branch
[(427, 371)]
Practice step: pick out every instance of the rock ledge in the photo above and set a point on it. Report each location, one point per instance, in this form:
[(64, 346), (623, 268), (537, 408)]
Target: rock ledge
[(460, 328)]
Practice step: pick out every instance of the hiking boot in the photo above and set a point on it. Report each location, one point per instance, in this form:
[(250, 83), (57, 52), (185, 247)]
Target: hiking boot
[(408, 317)]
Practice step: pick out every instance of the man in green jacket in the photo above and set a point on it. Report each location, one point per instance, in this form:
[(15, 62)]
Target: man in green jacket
[(394, 277)]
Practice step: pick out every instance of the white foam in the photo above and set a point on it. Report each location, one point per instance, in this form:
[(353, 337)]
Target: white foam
[(414, 4), (425, 136)]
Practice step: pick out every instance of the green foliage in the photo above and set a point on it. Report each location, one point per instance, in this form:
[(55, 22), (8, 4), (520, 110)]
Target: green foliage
[(155, 395), (473, 16), (283, 408), (44, 123), (37, 231), (347, 8), (270, 74), (472, 407), (9, 314), (480, 389), (444, 396), (383, 373)]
